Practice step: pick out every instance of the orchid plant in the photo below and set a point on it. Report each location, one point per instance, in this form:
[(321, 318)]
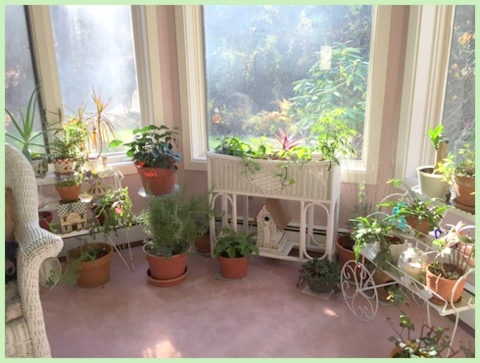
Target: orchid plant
[(453, 258)]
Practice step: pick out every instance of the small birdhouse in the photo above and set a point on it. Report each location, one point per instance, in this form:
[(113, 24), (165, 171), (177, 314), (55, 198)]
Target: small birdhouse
[(271, 222), (73, 216)]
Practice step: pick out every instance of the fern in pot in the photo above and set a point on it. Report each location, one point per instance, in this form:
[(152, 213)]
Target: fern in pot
[(171, 227)]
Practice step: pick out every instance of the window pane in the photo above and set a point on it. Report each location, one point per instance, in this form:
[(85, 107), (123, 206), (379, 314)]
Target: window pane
[(19, 73), (94, 48), (459, 108), (271, 67)]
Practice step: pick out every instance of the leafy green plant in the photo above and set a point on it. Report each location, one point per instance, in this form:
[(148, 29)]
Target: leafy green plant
[(112, 211), (436, 136), (152, 147), (69, 140), (340, 86), (410, 205), (431, 342), (171, 222), (374, 228), (25, 127), (233, 244), (462, 164), (322, 272)]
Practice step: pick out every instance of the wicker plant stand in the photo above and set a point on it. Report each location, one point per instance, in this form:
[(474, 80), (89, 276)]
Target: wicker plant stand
[(316, 189)]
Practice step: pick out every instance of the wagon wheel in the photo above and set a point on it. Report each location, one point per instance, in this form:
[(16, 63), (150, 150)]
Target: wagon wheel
[(359, 290)]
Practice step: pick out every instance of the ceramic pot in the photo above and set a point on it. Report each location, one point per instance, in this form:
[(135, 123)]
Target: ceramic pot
[(431, 184), (157, 181), (233, 268), (202, 244), (40, 167), (64, 166)]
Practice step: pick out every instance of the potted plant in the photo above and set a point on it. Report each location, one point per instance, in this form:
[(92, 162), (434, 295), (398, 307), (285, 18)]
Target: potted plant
[(233, 250), (171, 227), (321, 276), (89, 265), (67, 148), (153, 154), (28, 137), (430, 179), (69, 186), (422, 215), (459, 170), (112, 211), (445, 276), (431, 342)]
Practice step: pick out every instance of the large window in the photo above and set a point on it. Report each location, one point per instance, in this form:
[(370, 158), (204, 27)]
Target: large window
[(20, 77), (284, 67), (241, 78), (459, 107), (95, 52), (438, 84), (78, 50)]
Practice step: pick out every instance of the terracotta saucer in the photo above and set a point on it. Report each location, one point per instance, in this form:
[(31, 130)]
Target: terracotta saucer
[(167, 283), (464, 207)]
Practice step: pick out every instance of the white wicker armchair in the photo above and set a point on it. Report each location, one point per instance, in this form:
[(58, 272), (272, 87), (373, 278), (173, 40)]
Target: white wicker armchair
[(26, 336)]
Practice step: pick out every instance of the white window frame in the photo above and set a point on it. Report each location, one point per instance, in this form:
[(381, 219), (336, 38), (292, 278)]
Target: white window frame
[(145, 30), (192, 92), (425, 77)]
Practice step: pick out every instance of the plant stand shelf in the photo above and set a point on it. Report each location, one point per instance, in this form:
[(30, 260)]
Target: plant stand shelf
[(316, 186), (360, 291)]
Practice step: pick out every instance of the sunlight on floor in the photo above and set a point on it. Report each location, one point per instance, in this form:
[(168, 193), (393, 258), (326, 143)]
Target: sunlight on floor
[(330, 312), (163, 349)]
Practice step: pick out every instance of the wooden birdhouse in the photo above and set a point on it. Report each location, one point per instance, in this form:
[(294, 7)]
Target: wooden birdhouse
[(271, 222), (73, 216)]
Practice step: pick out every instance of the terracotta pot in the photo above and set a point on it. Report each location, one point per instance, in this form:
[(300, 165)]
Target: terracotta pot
[(464, 187), (344, 246), (64, 166), (44, 219), (157, 181), (202, 244), (162, 268), (93, 273), (69, 194), (443, 287), (233, 268), (422, 227)]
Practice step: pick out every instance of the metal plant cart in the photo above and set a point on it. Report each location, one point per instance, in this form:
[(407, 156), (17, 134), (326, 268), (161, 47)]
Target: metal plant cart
[(360, 291)]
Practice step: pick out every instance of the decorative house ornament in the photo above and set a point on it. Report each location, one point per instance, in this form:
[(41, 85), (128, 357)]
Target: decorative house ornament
[(73, 216), (271, 222)]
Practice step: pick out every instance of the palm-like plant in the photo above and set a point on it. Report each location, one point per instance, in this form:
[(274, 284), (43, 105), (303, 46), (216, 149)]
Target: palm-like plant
[(25, 127)]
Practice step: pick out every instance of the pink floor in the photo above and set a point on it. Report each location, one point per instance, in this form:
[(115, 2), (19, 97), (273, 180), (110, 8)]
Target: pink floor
[(263, 315)]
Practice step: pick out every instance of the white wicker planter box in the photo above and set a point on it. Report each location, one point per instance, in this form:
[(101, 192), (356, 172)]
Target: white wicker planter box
[(313, 180)]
